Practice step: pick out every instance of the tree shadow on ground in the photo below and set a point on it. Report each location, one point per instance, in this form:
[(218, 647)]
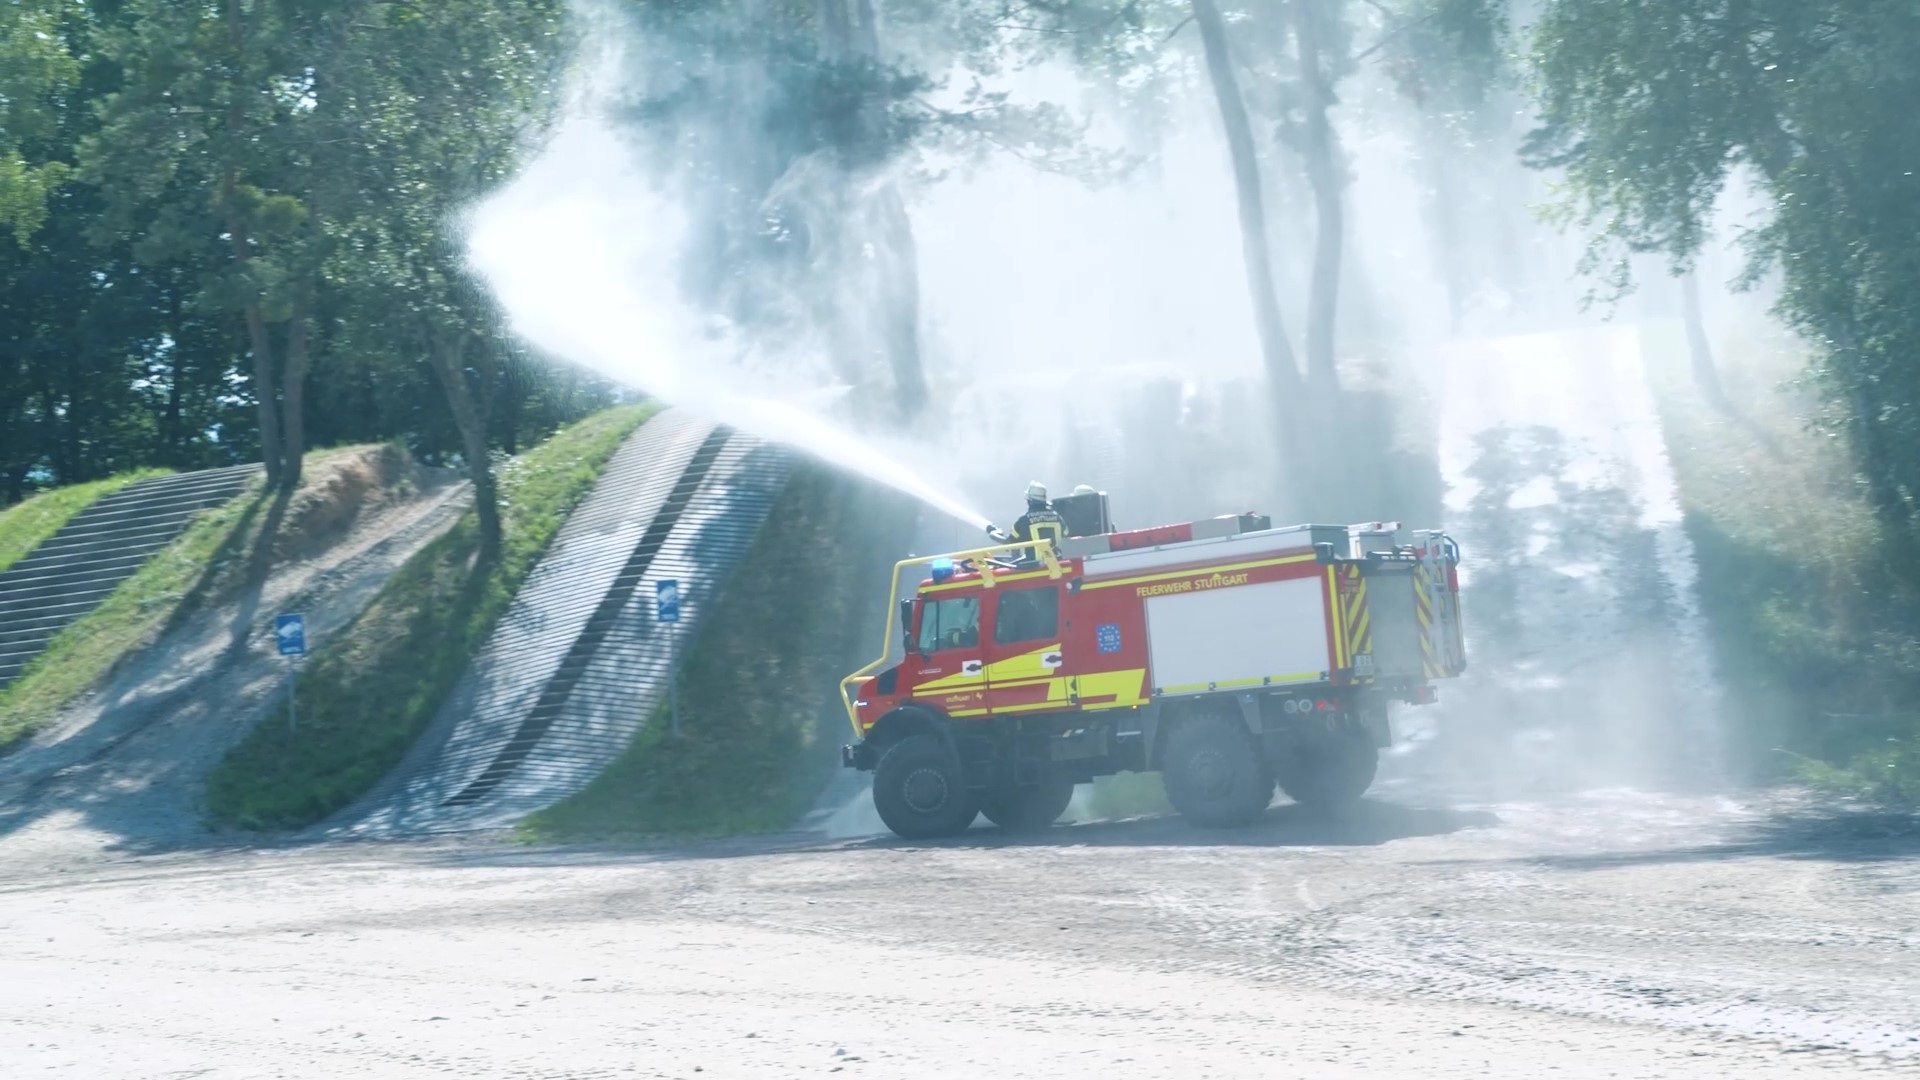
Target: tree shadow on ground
[(91, 777), (1860, 836), (1368, 824), (254, 572)]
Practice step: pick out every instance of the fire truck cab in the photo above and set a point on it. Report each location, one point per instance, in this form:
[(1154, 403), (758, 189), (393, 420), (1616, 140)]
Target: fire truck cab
[(1228, 655)]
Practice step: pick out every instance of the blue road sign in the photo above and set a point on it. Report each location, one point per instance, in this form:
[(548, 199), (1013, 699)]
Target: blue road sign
[(666, 600), (291, 632)]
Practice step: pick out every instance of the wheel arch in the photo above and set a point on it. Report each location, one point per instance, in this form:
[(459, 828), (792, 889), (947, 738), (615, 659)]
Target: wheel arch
[(908, 719), (1161, 717)]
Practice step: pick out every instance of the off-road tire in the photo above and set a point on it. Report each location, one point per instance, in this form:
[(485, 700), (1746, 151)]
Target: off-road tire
[(921, 790), (1213, 772), (1030, 807), (1329, 770)]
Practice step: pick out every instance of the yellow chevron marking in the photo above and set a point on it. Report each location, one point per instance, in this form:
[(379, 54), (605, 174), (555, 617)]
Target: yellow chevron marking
[(1027, 665), (1127, 688), (1339, 620)]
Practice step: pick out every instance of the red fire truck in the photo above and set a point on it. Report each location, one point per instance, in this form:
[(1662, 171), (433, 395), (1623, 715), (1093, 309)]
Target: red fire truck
[(1227, 654)]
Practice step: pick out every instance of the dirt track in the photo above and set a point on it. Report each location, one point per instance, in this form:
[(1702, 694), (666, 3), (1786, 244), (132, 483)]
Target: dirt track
[(1612, 935), (124, 768)]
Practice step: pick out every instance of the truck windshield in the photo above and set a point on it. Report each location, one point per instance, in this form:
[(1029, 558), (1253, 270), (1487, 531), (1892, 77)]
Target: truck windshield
[(950, 624)]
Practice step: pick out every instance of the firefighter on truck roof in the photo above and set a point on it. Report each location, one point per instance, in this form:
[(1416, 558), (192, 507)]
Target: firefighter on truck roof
[(1040, 522)]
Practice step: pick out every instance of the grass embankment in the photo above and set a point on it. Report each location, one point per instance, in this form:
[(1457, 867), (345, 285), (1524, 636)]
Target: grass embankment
[(216, 554), (133, 616), (26, 525), (1814, 605), (368, 693), (802, 610)]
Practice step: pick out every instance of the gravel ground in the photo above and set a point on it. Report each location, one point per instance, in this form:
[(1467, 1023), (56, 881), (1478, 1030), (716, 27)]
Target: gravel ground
[(1611, 934)]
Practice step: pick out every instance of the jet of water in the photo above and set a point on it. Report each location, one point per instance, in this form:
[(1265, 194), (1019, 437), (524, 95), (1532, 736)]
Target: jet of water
[(581, 254)]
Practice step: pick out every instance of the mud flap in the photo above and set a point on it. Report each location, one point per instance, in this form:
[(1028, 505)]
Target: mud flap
[(1373, 718)]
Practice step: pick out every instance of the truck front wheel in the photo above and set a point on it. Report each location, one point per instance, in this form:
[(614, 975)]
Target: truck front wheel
[(1214, 773), (921, 790), (1029, 807)]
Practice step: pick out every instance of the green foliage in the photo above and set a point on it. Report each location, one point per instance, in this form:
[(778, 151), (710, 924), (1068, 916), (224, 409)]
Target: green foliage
[(370, 691), (1813, 602), (37, 71), (130, 618), (1887, 773), (304, 161), (1651, 108), (753, 688), (24, 527)]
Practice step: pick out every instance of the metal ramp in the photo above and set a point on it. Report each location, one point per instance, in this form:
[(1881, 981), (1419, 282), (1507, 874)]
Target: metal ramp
[(577, 666)]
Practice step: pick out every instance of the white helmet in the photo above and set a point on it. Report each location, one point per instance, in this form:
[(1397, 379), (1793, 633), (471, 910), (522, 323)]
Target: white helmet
[(1036, 492), (1084, 489)]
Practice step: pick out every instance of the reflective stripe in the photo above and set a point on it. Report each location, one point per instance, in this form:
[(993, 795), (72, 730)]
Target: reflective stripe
[(1195, 571), (1357, 618), (1339, 622), (1234, 684)]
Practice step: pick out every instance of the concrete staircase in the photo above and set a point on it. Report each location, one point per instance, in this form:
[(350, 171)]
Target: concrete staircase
[(73, 570), (577, 666)]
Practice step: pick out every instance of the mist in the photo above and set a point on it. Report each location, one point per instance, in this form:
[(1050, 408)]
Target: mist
[(1098, 330)]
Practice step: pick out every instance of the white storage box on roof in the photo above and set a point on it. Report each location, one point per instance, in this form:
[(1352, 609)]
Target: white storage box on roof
[(1301, 538)]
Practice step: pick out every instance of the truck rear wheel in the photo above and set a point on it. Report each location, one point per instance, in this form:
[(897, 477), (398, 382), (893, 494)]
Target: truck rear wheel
[(921, 790), (1332, 769), (1028, 807), (1214, 773)]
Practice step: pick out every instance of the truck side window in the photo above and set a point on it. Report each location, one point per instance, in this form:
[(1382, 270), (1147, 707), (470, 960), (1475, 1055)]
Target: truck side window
[(1026, 615), (950, 624)]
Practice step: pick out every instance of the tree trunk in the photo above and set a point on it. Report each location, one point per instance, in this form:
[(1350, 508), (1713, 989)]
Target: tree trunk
[(1705, 374), (294, 393), (513, 413), (898, 267), (172, 433), (1283, 377), (263, 366), (900, 278), (867, 28), (51, 418), (263, 390), (1324, 173), (835, 35), (262, 347), (1442, 214), (1868, 435), (446, 356)]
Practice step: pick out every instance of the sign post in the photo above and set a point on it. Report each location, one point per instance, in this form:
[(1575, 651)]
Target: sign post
[(290, 634), (666, 611)]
